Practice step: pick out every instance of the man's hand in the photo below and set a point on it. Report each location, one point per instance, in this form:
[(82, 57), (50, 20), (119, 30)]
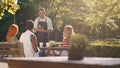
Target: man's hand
[(36, 29), (43, 30)]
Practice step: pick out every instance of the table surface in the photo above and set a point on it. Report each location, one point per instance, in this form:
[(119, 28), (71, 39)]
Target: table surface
[(3, 65), (86, 60), (54, 48)]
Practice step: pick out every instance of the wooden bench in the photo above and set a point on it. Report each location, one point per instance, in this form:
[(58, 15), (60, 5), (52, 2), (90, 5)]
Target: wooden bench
[(14, 50)]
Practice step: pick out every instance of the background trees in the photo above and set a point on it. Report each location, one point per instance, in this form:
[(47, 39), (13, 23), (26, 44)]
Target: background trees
[(95, 18)]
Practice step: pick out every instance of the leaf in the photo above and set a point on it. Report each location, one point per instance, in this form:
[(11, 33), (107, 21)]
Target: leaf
[(111, 24)]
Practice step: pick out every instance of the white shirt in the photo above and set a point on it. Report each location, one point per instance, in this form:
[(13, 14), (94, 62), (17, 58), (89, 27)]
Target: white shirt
[(45, 19), (25, 38)]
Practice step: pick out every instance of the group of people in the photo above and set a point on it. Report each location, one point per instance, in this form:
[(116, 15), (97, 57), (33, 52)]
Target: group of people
[(37, 31)]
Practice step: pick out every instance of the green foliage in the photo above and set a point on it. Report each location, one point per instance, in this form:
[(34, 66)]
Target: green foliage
[(95, 12), (109, 47), (78, 40), (8, 5), (107, 42), (103, 51)]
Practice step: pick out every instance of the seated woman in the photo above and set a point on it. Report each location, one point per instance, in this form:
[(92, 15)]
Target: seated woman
[(29, 41), (11, 34), (68, 30)]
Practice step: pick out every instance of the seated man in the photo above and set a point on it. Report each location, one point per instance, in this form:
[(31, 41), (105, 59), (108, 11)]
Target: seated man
[(29, 41)]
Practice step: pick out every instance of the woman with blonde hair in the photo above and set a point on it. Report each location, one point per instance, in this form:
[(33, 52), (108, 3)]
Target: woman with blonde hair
[(68, 30)]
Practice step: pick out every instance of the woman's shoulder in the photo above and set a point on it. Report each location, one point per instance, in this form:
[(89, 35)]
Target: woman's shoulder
[(13, 39)]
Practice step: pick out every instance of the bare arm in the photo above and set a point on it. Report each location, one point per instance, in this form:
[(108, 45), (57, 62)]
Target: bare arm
[(34, 43)]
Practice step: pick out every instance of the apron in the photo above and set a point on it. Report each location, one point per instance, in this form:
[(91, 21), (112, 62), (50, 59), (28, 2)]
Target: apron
[(42, 36)]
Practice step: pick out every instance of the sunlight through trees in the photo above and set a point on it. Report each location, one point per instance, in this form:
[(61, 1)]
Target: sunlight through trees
[(8, 5)]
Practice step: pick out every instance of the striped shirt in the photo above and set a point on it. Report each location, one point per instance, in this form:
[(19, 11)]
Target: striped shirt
[(64, 43)]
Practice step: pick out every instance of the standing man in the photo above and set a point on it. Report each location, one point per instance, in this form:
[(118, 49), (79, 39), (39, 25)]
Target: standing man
[(42, 27)]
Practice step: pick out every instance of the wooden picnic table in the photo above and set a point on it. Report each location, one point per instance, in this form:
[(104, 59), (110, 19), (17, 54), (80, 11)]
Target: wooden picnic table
[(53, 49), (63, 62)]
